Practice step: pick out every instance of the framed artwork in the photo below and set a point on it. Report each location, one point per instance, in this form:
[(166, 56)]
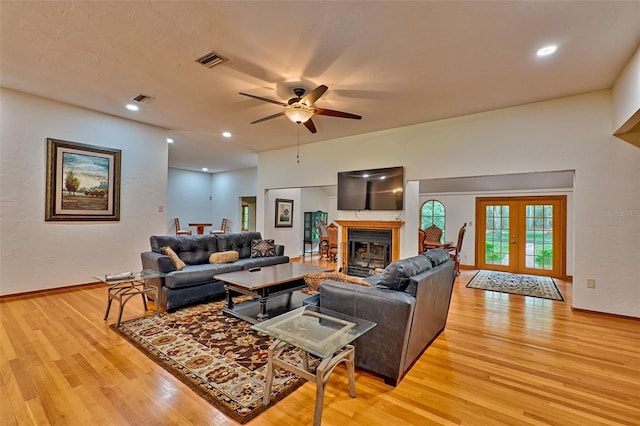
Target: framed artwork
[(284, 213), (83, 182)]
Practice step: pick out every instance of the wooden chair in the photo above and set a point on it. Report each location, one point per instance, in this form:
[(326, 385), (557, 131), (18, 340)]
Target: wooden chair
[(454, 252), (323, 245), (180, 231), (223, 228), (332, 234), (433, 237), (421, 241)]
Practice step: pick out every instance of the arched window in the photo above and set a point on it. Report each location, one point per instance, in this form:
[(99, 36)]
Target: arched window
[(432, 212)]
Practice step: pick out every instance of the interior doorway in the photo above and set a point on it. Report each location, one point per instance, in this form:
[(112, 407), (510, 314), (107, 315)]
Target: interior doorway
[(248, 214), (524, 235)]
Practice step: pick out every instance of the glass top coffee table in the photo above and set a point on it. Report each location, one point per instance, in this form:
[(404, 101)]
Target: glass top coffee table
[(123, 286), (317, 331)]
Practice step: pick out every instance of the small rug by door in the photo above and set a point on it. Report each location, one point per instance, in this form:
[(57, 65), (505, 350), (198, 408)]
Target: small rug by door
[(217, 356), (525, 285)]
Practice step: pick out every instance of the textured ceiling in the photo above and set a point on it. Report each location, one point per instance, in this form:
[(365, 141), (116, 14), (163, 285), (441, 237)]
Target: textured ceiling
[(394, 63)]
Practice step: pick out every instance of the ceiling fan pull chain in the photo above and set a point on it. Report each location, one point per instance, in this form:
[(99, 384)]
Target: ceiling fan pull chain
[(298, 149)]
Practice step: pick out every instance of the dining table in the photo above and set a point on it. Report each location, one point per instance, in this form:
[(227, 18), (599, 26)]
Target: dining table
[(438, 244), (200, 227)]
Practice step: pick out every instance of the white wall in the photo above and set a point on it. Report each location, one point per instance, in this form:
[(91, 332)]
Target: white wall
[(290, 237), (227, 190), (37, 255), (572, 133), (208, 197), (188, 199), (626, 95)]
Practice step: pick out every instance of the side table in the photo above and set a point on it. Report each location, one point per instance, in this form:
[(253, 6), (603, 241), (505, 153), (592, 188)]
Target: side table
[(316, 331), (124, 286)]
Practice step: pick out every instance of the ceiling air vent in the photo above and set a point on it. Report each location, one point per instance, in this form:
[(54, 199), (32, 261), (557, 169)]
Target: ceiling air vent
[(143, 99), (210, 60)]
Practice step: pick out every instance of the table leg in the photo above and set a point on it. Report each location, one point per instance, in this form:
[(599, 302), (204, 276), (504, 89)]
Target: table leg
[(229, 304), (109, 300), (144, 301), (274, 350), (262, 313)]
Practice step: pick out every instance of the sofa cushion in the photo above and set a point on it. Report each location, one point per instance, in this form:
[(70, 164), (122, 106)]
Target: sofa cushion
[(252, 262), (263, 248), (315, 279), (193, 249), (437, 256), (397, 275), (195, 275), (177, 262), (413, 266), (239, 242), (224, 257)]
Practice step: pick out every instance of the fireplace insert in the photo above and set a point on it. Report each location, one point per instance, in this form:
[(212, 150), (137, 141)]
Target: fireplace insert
[(369, 249)]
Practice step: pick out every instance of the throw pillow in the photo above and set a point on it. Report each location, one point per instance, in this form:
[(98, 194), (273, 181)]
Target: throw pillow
[(224, 257), (177, 262), (315, 279), (263, 248)]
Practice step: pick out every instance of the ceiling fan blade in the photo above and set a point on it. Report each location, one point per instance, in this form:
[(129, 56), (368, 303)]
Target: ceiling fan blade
[(311, 97), (263, 99), (309, 125), (333, 113), (260, 120)]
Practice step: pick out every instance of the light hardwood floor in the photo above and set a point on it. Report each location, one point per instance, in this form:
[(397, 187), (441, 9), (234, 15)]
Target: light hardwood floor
[(502, 359)]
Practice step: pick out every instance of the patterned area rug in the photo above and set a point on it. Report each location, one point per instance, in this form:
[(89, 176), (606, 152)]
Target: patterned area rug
[(217, 356), (525, 285)]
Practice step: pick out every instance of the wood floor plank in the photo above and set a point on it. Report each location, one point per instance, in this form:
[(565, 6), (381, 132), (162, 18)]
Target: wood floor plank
[(502, 360)]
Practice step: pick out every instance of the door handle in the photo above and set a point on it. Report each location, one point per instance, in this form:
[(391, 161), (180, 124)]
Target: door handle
[(513, 241)]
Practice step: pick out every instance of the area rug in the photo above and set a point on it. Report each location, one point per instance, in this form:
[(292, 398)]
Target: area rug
[(219, 357), (525, 285)]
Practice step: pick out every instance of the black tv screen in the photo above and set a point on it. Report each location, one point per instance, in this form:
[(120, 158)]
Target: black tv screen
[(372, 189)]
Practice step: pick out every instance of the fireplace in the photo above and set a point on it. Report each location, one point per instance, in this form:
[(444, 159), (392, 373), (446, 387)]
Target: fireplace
[(369, 249), (368, 244)]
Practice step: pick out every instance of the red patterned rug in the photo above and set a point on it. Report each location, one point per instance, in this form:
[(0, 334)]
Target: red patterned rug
[(219, 357)]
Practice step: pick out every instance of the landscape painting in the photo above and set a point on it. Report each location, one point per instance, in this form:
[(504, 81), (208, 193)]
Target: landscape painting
[(83, 182)]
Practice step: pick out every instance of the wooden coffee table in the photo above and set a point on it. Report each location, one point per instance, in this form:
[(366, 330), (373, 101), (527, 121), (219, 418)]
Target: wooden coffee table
[(271, 286)]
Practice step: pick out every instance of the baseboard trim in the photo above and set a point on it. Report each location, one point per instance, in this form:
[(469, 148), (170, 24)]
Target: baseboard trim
[(608, 314), (47, 291)]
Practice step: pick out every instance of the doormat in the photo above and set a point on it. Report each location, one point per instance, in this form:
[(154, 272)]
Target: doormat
[(525, 285), (221, 358)]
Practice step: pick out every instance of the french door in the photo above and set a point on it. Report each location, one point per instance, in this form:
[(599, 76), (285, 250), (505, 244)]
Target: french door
[(523, 235)]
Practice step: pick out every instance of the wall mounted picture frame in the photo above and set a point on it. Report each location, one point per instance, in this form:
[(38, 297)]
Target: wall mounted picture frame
[(284, 213), (83, 182)]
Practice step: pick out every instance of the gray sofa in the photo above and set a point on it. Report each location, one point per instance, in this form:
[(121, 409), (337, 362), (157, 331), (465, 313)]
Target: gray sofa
[(409, 301), (194, 283)]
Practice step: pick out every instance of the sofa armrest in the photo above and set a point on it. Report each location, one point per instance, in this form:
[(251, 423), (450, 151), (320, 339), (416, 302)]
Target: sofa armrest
[(382, 349), (157, 262), (279, 249)]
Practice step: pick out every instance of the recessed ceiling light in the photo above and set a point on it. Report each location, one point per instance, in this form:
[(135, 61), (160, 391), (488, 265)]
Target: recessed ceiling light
[(226, 134), (204, 169), (547, 50), (132, 107), (169, 140)]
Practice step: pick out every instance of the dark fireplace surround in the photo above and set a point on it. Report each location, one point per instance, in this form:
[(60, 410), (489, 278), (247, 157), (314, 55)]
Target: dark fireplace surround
[(367, 245), (369, 250)]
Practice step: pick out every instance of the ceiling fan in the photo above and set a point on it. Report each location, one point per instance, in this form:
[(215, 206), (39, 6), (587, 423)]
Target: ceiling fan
[(300, 108)]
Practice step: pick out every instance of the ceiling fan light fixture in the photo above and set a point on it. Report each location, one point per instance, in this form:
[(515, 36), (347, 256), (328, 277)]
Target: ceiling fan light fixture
[(298, 113)]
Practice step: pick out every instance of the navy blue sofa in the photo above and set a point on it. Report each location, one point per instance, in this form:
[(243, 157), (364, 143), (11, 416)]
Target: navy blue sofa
[(194, 283)]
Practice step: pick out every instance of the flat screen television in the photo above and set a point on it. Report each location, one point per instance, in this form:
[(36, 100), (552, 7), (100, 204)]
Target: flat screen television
[(371, 189)]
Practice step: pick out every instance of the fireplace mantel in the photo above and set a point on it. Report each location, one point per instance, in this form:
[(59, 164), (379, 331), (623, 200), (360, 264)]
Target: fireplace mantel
[(393, 225)]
